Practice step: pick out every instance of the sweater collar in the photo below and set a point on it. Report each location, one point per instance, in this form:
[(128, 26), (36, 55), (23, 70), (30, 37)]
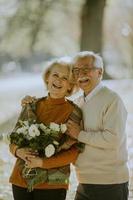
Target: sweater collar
[(56, 101), (93, 92)]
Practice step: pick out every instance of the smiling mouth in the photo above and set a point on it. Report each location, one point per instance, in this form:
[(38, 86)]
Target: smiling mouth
[(83, 80), (57, 87)]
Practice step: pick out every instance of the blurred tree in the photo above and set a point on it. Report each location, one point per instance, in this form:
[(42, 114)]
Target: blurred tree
[(118, 44), (41, 26), (29, 18), (30, 28), (92, 27)]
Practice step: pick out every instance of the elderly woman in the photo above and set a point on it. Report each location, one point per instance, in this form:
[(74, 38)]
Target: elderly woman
[(53, 108)]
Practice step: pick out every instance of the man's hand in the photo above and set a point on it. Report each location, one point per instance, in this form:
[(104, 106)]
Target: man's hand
[(73, 129), (27, 100)]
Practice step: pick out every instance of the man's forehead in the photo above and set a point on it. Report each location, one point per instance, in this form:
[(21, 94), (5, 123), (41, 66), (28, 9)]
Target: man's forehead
[(85, 61)]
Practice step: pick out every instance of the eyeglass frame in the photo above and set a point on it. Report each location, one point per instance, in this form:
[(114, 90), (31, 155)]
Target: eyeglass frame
[(88, 70)]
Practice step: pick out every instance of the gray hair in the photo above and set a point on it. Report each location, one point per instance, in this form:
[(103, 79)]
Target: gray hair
[(98, 61)]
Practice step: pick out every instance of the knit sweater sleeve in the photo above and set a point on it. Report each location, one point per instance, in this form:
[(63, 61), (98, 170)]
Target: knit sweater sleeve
[(61, 159), (113, 131), (13, 148)]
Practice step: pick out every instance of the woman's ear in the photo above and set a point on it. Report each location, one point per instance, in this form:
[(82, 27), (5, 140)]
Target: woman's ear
[(46, 77), (47, 80)]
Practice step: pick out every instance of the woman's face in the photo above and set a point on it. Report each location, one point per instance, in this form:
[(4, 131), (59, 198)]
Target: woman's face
[(58, 81)]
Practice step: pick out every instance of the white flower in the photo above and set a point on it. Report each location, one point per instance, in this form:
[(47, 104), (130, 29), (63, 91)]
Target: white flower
[(22, 130), (55, 142), (26, 123), (54, 127), (33, 131), (42, 127), (49, 150), (47, 131), (63, 128), (28, 137)]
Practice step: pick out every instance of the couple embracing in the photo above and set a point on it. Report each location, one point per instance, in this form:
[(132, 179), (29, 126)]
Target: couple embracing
[(94, 140)]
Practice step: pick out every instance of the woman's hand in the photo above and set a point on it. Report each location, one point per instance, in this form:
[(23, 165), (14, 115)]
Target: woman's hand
[(27, 100), (33, 162), (24, 153)]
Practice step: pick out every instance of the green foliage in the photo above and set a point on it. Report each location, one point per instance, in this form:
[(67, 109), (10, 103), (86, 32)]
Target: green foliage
[(36, 176)]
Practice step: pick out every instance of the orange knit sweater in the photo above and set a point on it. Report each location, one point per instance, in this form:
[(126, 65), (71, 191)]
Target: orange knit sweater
[(49, 110)]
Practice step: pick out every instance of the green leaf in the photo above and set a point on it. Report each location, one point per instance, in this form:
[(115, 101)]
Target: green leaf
[(58, 177), (39, 177)]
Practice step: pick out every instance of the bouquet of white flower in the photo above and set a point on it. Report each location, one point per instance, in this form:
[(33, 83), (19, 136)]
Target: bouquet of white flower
[(46, 140), (38, 137)]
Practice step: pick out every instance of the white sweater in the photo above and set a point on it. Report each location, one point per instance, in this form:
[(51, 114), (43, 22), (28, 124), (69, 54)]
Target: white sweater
[(104, 160)]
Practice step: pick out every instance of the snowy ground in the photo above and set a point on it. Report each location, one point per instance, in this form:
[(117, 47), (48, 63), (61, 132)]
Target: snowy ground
[(14, 88)]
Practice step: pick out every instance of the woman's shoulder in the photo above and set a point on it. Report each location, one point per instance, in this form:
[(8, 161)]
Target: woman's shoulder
[(73, 104), (76, 114), (40, 99), (38, 102)]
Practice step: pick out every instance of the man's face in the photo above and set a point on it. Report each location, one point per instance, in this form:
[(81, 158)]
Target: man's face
[(87, 76)]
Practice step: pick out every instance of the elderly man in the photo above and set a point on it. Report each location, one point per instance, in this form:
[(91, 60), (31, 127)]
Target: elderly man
[(102, 168)]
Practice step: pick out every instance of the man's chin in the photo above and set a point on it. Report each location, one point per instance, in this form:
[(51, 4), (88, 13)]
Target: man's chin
[(83, 85), (85, 88)]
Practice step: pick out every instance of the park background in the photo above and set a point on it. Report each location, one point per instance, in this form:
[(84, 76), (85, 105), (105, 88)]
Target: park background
[(35, 31)]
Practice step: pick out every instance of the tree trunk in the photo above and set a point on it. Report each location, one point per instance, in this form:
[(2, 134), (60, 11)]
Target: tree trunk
[(92, 27)]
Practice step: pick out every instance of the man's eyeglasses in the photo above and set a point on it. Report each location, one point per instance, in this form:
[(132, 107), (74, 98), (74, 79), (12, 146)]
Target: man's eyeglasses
[(84, 70)]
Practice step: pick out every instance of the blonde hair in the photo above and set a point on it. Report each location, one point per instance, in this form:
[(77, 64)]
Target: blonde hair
[(61, 62)]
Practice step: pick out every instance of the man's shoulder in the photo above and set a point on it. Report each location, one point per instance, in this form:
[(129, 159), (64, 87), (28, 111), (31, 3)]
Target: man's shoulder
[(110, 97), (107, 92)]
